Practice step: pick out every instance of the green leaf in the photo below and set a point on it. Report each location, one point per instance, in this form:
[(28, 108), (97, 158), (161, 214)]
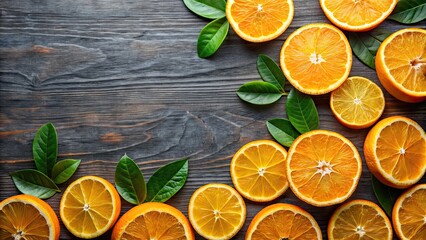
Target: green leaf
[(385, 195), (129, 181), (45, 148), (301, 111), (409, 11), (207, 8), (63, 170), (211, 37), (33, 182), (270, 71), (259, 93), (282, 131), (167, 181)]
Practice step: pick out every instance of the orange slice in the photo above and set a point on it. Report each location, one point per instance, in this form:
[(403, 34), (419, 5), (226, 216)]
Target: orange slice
[(316, 58), (89, 207), (409, 214), (395, 151), (27, 217), (259, 20), (217, 211), (283, 221), (357, 103), (153, 220), (258, 170), (357, 15), (401, 64), (359, 219), (323, 168)]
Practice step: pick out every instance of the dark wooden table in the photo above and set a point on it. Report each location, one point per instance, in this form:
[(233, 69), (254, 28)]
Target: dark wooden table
[(120, 77)]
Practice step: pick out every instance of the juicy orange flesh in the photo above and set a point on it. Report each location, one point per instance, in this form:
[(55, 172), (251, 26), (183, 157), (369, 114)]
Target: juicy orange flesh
[(401, 151), (18, 217), (360, 222), (284, 224), (400, 55), (217, 212), (412, 215), (313, 158), (260, 170), (316, 58), (155, 225), (258, 18), (358, 101), (98, 202)]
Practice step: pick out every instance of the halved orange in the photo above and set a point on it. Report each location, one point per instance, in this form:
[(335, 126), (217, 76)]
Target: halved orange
[(153, 220), (357, 103), (395, 151), (401, 64), (258, 170), (359, 219), (89, 207), (316, 58), (217, 211), (409, 214), (323, 168), (27, 217), (259, 20), (357, 15), (283, 221)]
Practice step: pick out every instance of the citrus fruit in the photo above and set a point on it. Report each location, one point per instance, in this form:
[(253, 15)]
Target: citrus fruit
[(323, 168), (395, 151), (153, 220), (89, 207), (283, 221), (27, 217), (409, 213), (357, 103), (316, 58), (217, 211), (357, 15), (259, 20), (359, 219), (258, 170), (401, 64)]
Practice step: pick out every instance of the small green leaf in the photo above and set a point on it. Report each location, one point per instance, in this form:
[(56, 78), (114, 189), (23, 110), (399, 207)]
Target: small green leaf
[(385, 195), (129, 181), (63, 170), (282, 131), (167, 181), (301, 111), (259, 93), (211, 9), (211, 37), (409, 11), (270, 71), (45, 148), (33, 182)]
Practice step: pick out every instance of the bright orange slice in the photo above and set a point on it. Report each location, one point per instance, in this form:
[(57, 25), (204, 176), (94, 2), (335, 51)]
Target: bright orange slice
[(359, 219), (357, 15), (27, 217), (283, 221), (153, 220), (258, 170), (357, 103), (395, 151), (89, 207), (217, 211), (316, 58), (259, 20), (323, 168), (409, 214), (401, 64)]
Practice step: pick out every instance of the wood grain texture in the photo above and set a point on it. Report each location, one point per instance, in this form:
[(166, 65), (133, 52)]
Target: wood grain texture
[(123, 76)]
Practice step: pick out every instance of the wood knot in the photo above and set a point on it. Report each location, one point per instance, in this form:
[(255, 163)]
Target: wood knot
[(112, 137)]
